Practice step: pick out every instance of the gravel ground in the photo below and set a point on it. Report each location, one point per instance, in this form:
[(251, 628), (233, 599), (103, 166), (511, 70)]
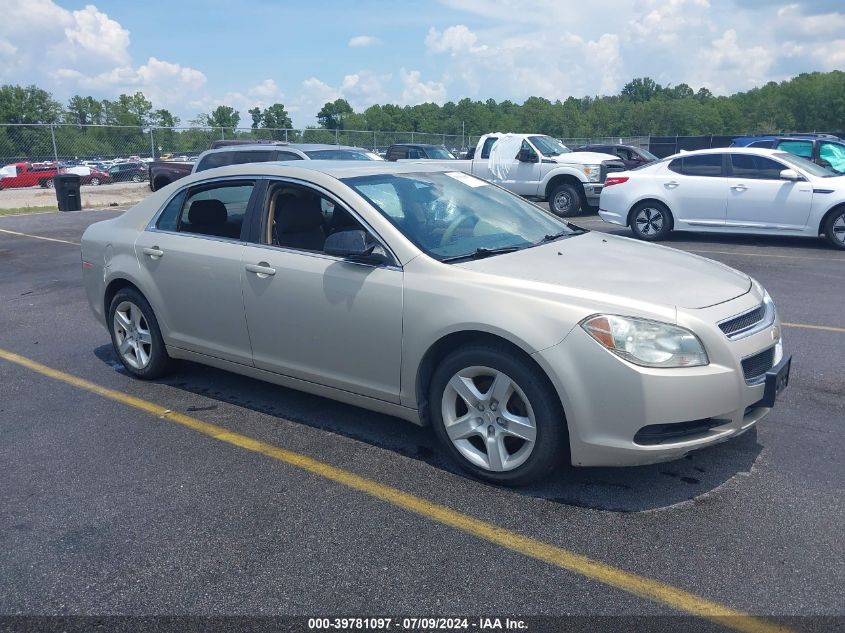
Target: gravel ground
[(112, 194)]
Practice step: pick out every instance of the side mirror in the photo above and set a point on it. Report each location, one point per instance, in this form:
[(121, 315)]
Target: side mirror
[(790, 174), (354, 246), (526, 156)]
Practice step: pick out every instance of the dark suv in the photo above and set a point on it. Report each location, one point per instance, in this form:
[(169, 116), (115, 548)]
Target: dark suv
[(628, 154), (823, 149), (123, 172), (417, 151)]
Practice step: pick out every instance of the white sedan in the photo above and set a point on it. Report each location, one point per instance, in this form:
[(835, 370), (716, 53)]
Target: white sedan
[(728, 190)]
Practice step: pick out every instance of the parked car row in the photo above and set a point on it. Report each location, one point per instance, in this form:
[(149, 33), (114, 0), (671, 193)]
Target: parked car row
[(27, 174)]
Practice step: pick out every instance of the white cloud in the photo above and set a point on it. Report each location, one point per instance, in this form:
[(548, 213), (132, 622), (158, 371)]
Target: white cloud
[(362, 41), (456, 40), (416, 91)]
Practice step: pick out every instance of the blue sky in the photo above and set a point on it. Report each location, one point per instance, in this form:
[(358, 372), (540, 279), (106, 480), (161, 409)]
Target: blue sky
[(190, 56)]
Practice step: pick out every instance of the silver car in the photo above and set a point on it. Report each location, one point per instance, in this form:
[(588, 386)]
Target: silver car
[(442, 299)]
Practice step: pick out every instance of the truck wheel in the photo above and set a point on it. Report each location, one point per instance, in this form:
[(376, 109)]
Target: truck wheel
[(47, 182), (835, 228), (650, 221), (566, 201)]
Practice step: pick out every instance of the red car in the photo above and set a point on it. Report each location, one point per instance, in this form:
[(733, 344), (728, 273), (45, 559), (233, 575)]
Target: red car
[(96, 177), (27, 175)]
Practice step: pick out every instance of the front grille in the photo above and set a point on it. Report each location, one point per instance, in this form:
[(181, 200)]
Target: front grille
[(755, 367), (610, 166), (743, 321)]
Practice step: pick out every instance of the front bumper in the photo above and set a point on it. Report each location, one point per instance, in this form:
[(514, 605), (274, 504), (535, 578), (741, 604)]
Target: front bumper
[(592, 191), (609, 401)]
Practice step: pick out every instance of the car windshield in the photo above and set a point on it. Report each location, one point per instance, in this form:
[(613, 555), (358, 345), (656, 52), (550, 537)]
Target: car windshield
[(549, 146), (647, 154), (439, 152), (806, 165), (455, 215)]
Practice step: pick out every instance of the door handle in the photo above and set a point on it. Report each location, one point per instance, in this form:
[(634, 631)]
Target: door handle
[(155, 252), (671, 184), (739, 187), (262, 269)]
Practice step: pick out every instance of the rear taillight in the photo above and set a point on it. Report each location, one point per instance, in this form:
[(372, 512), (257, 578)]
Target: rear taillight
[(615, 180)]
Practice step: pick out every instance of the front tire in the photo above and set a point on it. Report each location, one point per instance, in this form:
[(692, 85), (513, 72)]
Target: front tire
[(136, 337), (136, 178), (651, 221), (834, 228), (566, 201), (497, 415), (94, 181)]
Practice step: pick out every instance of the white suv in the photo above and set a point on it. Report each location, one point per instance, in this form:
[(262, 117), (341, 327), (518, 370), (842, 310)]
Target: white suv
[(728, 190)]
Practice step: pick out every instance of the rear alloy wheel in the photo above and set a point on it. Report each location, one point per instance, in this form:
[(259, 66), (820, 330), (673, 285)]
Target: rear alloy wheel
[(835, 229), (136, 337), (565, 201), (136, 178), (651, 221), (94, 181), (47, 183), (497, 416)]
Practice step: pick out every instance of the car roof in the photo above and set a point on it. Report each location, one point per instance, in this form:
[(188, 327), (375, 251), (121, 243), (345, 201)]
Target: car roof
[(338, 169), (267, 147), (416, 145), (763, 151)]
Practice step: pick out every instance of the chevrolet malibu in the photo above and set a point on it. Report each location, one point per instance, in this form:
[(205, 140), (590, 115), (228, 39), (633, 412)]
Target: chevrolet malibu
[(442, 299)]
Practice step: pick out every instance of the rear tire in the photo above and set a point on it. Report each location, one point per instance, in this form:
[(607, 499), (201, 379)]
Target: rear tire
[(834, 228), (94, 181), (136, 178), (514, 432), (651, 221), (566, 201), (136, 337)]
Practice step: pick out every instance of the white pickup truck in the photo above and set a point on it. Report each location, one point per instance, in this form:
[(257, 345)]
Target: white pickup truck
[(539, 167)]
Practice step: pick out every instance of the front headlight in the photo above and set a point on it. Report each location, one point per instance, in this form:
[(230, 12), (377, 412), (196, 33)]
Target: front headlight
[(592, 172), (647, 343)]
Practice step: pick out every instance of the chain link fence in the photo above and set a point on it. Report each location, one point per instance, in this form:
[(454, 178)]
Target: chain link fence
[(68, 142)]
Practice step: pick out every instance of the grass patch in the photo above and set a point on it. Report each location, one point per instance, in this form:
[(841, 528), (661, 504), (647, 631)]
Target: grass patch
[(22, 210)]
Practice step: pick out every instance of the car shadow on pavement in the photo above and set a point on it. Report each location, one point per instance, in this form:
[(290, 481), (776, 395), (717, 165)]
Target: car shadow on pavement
[(632, 489)]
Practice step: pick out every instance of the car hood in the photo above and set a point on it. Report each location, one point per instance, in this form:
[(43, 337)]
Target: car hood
[(582, 158), (620, 267)]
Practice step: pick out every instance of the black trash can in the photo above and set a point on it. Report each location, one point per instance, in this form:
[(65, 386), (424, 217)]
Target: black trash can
[(67, 191)]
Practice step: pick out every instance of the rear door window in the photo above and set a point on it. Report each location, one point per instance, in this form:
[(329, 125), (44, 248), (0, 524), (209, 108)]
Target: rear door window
[(702, 165), (216, 210), (488, 144)]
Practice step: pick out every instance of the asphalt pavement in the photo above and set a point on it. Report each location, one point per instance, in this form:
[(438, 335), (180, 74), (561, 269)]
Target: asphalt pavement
[(109, 510)]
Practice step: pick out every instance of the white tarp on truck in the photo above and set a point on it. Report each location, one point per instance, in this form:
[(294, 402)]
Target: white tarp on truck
[(502, 155)]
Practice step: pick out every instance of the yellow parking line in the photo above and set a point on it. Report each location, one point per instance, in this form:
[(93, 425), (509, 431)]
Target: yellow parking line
[(557, 556), (745, 254), (39, 237), (809, 326)]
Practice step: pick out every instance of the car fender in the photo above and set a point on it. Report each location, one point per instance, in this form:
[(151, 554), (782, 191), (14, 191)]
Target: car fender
[(561, 170)]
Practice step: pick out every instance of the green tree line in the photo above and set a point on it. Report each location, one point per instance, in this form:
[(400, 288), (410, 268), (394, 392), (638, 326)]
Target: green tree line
[(808, 102)]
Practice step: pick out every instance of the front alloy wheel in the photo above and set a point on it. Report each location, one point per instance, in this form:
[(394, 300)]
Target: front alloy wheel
[(835, 229), (497, 414), (489, 419), (94, 181)]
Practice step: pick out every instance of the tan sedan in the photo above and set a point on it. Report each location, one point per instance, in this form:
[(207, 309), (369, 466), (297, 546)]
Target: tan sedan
[(441, 299)]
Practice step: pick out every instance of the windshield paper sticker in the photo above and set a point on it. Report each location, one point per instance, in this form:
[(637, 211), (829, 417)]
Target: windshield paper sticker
[(472, 181)]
